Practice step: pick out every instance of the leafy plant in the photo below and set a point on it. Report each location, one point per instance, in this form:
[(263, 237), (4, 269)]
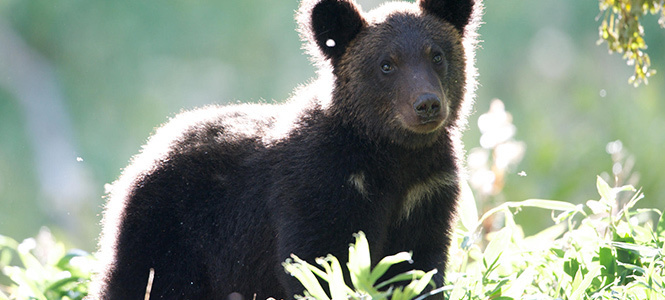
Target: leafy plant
[(594, 251), (622, 31), (39, 268), (363, 276)]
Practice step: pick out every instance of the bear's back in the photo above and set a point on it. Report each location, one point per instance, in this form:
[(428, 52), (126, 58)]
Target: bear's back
[(197, 168)]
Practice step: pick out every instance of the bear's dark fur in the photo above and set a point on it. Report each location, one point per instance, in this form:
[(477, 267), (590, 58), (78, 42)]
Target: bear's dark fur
[(221, 196)]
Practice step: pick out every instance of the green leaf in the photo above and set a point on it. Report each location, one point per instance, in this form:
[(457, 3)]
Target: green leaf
[(638, 250), (459, 289), (632, 268), (5, 257), (496, 291), (406, 276), (303, 271), (558, 252), (545, 238), (386, 263), (498, 245), (76, 262), (359, 263), (571, 267), (538, 203), (608, 261), (468, 212), (58, 285), (418, 284), (338, 289), (598, 207), (580, 286), (548, 204), (64, 262), (8, 242), (518, 286), (399, 294), (660, 229), (607, 196), (20, 276)]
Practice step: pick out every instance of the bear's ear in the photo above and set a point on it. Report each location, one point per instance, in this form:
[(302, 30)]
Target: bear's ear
[(456, 12), (334, 23)]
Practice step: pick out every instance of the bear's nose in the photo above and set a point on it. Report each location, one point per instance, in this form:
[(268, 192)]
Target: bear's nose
[(427, 106)]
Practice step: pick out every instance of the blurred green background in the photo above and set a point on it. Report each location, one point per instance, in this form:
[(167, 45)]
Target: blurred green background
[(83, 83)]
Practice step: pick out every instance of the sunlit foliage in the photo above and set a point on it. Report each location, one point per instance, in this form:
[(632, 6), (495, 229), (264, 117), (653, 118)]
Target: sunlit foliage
[(595, 251), (623, 32), (40, 268)]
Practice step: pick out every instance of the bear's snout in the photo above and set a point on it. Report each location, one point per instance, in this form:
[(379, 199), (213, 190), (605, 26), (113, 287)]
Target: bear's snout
[(425, 113), (428, 107)]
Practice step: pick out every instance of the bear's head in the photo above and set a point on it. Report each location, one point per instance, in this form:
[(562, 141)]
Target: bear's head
[(401, 71)]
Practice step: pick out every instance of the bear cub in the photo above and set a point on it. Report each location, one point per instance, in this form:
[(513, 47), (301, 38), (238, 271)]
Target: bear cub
[(221, 196)]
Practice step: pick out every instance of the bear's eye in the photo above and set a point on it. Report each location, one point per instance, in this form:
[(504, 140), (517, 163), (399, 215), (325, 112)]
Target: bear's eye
[(437, 59), (386, 67)]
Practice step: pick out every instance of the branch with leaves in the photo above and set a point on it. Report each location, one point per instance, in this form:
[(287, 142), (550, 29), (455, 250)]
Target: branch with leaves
[(623, 32)]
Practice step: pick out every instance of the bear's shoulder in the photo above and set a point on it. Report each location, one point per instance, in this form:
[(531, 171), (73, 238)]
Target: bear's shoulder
[(202, 132), (236, 130)]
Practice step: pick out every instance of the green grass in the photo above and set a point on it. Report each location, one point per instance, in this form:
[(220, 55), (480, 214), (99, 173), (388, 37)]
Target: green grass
[(599, 250)]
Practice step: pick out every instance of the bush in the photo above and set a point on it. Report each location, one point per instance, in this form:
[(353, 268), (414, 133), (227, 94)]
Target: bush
[(364, 278), (594, 251), (39, 268)]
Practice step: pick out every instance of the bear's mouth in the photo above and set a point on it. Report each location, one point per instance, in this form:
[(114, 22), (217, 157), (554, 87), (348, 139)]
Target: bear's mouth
[(432, 119), (427, 125)]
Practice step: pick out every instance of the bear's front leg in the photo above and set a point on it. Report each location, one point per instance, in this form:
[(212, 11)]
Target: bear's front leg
[(328, 229), (426, 232)]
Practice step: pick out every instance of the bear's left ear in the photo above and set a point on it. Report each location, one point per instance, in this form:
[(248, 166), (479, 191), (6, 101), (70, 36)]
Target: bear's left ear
[(456, 12), (334, 23)]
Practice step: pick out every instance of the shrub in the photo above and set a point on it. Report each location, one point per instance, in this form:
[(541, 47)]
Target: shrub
[(594, 251), (39, 268)]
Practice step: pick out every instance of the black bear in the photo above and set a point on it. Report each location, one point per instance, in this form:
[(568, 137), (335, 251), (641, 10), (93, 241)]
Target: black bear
[(221, 196)]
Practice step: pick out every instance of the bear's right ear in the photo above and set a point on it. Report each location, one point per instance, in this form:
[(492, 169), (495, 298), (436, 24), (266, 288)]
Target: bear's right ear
[(333, 24)]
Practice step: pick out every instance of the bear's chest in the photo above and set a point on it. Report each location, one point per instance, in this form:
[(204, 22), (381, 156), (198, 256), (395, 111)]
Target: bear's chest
[(404, 195)]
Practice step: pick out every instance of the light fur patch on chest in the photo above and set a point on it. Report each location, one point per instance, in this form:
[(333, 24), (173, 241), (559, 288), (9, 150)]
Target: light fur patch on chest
[(424, 190), (357, 180)]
